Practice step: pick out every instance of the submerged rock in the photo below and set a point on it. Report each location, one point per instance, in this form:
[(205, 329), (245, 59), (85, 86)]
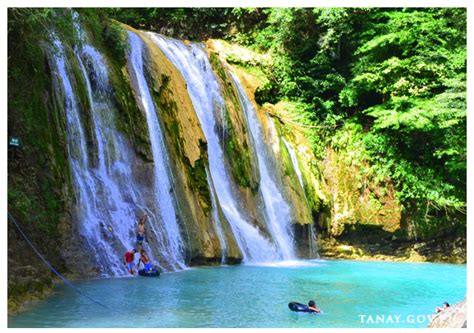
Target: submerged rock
[(453, 317)]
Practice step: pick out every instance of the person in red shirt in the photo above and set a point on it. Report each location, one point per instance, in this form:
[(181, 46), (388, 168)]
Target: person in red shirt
[(128, 260)]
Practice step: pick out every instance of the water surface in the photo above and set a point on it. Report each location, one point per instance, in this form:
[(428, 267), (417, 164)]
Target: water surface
[(256, 296)]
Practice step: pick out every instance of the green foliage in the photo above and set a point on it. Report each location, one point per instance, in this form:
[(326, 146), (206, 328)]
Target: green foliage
[(245, 24), (307, 52), (192, 23), (266, 93), (31, 25), (115, 39), (405, 53), (410, 73), (39, 170), (397, 77)]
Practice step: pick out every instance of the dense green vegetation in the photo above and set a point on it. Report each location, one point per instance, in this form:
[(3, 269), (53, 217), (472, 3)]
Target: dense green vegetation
[(387, 84), (396, 81)]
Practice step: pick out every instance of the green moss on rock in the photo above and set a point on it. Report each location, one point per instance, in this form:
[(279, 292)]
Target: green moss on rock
[(238, 156), (39, 177), (196, 175), (217, 66), (236, 145)]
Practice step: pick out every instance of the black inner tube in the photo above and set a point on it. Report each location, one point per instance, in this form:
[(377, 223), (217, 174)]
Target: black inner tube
[(298, 307), (151, 273)]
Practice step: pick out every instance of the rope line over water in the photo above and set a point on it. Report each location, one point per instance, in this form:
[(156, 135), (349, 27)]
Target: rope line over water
[(66, 281)]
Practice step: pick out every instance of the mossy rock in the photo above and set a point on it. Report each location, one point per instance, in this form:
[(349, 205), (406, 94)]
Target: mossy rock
[(196, 174), (236, 138)]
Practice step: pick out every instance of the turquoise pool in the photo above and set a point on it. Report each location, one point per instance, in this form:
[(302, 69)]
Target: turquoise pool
[(350, 293)]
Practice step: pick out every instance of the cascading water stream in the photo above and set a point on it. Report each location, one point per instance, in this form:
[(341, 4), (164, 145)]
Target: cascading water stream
[(313, 251), (118, 196), (107, 198), (294, 161), (277, 211), (216, 219), (163, 183), (204, 90), (83, 180)]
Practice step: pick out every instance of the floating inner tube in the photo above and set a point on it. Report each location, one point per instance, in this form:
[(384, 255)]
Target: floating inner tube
[(298, 307), (151, 273)]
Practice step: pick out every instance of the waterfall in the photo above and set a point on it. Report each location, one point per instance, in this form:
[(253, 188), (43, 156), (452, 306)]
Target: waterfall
[(205, 94), (104, 165), (313, 251), (294, 161), (119, 196), (277, 211), (86, 188), (216, 219), (162, 176), (107, 197), (105, 238)]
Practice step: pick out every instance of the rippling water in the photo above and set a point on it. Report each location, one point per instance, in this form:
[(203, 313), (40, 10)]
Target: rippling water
[(256, 296)]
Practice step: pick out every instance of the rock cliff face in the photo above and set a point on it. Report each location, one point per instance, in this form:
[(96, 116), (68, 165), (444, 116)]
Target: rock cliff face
[(453, 317)]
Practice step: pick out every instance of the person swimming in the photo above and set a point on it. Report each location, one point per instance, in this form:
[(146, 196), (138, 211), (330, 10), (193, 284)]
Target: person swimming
[(312, 306)]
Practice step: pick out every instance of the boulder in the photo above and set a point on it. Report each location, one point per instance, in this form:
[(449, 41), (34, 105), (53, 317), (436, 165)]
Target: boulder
[(453, 317)]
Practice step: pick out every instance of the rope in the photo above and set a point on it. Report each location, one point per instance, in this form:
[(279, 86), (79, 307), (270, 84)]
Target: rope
[(283, 119), (66, 281)]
